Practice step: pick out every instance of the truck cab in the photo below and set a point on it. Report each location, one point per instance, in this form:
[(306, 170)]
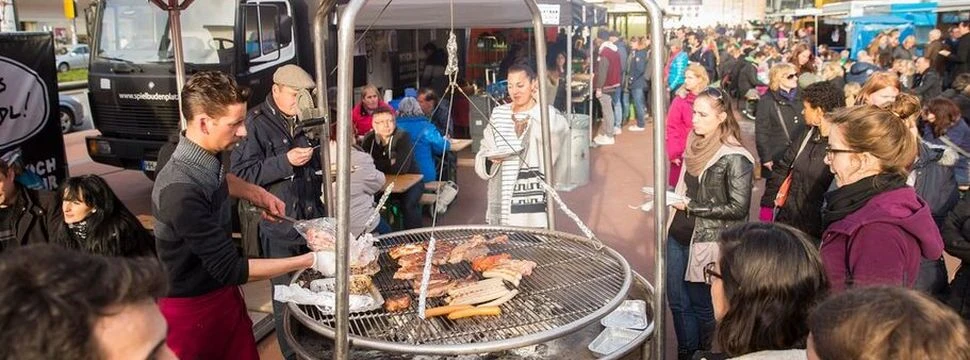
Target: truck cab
[(132, 88)]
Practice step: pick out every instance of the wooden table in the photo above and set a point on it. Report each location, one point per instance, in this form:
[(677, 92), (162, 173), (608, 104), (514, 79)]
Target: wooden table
[(402, 182), (460, 144)]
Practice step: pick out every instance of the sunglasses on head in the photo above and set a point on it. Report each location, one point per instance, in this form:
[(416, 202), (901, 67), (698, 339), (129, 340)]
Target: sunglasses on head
[(715, 93)]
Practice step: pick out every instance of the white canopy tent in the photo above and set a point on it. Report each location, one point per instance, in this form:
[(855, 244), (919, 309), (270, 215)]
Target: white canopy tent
[(436, 14)]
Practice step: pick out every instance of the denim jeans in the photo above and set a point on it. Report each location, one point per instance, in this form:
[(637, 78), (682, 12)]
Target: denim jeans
[(618, 110), (606, 106), (690, 303), (639, 105)]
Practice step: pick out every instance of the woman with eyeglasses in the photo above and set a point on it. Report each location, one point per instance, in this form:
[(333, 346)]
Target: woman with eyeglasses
[(778, 119), (716, 178), (877, 229), (759, 316), (679, 123), (794, 191)]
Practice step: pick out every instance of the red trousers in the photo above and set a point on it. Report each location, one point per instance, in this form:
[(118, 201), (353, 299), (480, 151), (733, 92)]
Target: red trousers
[(211, 326)]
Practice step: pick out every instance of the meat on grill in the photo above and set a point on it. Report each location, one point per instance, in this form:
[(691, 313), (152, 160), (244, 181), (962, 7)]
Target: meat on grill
[(397, 303)]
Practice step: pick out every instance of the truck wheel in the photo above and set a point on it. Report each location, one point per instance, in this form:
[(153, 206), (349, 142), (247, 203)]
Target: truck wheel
[(63, 67)]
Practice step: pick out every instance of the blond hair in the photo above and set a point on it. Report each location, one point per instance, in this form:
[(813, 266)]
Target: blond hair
[(776, 74), (851, 91), (701, 73), (832, 70)]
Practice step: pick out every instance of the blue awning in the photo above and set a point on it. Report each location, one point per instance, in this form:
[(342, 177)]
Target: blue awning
[(920, 14), (878, 19)]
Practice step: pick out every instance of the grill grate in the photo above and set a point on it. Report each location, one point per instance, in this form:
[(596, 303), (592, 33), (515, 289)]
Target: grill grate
[(576, 282)]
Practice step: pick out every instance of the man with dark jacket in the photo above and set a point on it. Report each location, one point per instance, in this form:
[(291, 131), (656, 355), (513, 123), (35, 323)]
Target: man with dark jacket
[(927, 83), (961, 56), (607, 79), (278, 155), (703, 56), (26, 216), (932, 51)]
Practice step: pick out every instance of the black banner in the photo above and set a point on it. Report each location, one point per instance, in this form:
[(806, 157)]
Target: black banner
[(28, 107)]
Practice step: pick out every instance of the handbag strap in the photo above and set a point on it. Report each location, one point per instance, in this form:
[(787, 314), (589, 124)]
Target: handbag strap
[(781, 120), (946, 140)]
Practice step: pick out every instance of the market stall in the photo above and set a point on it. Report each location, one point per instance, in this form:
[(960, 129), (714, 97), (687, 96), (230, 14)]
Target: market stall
[(537, 247)]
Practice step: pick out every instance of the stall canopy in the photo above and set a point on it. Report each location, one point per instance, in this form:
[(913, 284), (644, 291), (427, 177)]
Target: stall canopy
[(865, 28), (920, 14), (436, 14)]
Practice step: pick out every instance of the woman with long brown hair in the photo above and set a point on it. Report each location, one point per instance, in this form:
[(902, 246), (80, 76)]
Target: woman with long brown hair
[(944, 126), (803, 59), (716, 178)]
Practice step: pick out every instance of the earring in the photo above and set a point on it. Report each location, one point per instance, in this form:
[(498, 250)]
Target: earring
[(94, 211)]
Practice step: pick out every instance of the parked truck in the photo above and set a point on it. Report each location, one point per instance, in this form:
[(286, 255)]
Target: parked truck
[(131, 81)]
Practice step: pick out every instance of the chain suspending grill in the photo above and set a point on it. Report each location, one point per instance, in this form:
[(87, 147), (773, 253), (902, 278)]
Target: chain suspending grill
[(576, 282)]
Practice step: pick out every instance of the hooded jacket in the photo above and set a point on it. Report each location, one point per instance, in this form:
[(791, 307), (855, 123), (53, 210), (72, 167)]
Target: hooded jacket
[(609, 71), (933, 179), (427, 141), (860, 72), (882, 242)]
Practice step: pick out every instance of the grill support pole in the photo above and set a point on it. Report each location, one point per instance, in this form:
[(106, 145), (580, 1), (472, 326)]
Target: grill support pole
[(323, 103), (657, 107), (174, 10), (345, 85), (540, 38)]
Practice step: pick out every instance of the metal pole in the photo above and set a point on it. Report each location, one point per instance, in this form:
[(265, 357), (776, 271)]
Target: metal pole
[(345, 84), (540, 38), (569, 73), (659, 173), (589, 70), (323, 101), (175, 30)]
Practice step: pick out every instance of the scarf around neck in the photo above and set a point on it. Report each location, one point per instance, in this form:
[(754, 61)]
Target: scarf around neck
[(847, 199), (700, 150)]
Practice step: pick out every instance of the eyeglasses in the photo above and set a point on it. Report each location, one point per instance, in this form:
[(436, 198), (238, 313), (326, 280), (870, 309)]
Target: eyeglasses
[(791, 76), (710, 273), (829, 151)]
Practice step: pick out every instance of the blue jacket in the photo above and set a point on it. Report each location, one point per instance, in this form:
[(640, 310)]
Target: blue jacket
[(428, 143), (638, 70), (677, 70), (261, 159)]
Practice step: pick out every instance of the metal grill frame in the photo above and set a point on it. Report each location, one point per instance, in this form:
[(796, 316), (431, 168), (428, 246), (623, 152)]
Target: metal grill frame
[(469, 333)]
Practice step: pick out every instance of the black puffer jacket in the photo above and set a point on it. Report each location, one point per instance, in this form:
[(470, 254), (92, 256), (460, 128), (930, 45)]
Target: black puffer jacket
[(723, 198), (770, 135), (935, 182), (811, 178), (956, 242)]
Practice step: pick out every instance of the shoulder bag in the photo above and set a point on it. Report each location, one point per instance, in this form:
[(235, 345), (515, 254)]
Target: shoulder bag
[(782, 196)]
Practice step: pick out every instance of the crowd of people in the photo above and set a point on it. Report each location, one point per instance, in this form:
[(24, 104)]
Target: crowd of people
[(863, 163)]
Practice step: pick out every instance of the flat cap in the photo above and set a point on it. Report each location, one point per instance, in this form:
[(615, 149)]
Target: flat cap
[(293, 76), (603, 34)]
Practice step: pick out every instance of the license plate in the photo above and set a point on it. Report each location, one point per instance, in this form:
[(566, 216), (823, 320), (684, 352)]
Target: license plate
[(148, 165)]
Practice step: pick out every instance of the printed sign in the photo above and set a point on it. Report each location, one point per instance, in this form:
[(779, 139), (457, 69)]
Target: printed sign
[(549, 13), (28, 98)]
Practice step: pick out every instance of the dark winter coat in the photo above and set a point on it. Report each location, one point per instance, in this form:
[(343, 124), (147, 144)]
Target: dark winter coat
[(928, 85), (37, 214), (886, 240), (747, 77), (935, 182), (261, 159), (961, 57), (811, 178), (770, 135), (707, 60), (962, 101), (393, 158)]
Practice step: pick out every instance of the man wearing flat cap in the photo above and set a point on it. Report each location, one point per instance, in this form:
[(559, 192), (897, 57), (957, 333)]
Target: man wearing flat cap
[(278, 155)]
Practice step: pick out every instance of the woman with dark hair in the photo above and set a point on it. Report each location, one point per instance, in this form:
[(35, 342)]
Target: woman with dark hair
[(762, 316), (803, 59), (945, 126), (96, 222), (510, 157), (885, 323), (716, 178), (877, 230), (796, 188), (556, 74)]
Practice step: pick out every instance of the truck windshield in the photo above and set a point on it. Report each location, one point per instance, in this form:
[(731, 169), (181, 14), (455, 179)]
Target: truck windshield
[(138, 32)]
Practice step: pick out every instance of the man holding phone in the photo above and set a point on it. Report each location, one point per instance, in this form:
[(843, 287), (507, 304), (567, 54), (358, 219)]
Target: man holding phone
[(279, 156)]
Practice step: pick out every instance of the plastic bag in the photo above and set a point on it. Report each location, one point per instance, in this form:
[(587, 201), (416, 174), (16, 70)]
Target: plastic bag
[(321, 235)]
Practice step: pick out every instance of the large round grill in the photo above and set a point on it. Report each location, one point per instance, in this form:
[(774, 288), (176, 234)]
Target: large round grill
[(576, 282)]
